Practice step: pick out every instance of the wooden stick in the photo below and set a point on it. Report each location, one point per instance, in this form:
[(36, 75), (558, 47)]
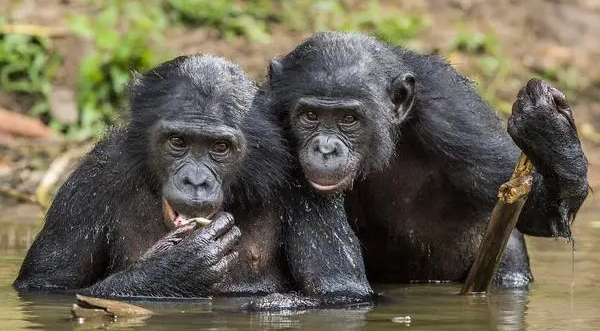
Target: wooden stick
[(511, 198)]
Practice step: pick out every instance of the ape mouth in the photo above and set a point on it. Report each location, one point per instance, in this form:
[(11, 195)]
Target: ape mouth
[(330, 187), (173, 219)]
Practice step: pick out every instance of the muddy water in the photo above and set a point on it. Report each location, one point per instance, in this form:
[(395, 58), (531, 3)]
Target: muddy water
[(552, 303)]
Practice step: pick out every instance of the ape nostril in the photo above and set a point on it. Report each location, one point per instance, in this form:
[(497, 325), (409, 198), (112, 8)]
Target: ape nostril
[(196, 182)]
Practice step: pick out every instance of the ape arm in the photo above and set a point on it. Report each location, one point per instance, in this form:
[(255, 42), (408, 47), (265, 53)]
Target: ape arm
[(53, 265), (187, 262), (456, 128), (324, 255), (542, 125), (69, 252)]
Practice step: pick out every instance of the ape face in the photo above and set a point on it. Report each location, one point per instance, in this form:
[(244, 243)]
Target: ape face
[(190, 132), (197, 159), (334, 136), (344, 110)]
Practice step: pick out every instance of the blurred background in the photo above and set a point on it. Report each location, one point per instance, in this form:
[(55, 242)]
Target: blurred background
[(65, 64)]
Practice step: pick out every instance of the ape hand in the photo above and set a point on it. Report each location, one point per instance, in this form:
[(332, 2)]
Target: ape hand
[(542, 126), (171, 239), (214, 245), (542, 123), (187, 262), (202, 257)]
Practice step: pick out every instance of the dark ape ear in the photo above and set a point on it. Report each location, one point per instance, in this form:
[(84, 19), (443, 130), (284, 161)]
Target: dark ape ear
[(275, 69), (402, 93)]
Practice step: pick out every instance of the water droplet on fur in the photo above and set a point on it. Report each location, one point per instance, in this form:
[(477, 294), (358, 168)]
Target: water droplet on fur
[(306, 206)]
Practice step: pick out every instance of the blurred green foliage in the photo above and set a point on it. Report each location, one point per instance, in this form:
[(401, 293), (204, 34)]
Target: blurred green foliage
[(125, 36), (27, 66), (253, 18), (475, 42), (493, 67), (387, 24), (231, 17), (495, 72), (130, 35)]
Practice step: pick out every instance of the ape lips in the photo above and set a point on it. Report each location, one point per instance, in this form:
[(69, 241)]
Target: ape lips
[(174, 220), (331, 186)]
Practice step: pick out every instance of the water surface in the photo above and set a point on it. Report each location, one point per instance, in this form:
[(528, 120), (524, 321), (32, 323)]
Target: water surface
[(565, 296)]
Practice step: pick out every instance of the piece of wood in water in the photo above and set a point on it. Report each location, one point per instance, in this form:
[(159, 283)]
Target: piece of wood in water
[(90, 307)]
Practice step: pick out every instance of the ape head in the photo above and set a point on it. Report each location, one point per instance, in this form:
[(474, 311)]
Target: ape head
[(185, 132), (344, 96)]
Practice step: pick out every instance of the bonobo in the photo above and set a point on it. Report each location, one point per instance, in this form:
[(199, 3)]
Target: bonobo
[(123, 223), (421, 156)]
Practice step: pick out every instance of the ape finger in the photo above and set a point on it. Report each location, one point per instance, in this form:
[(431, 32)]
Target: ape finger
[(182, 231), (522, 101), (228, 240), (560, 100), (535, 88), (179, 233), (226, 262), (221, 223), (169, 240)]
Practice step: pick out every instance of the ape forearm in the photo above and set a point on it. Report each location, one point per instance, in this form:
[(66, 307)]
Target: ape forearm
[(324, 254), (148, 279), (40, 274)]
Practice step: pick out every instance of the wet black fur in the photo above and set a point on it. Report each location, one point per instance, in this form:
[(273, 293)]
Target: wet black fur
[(108, 213), (425, 192), (109, 210)]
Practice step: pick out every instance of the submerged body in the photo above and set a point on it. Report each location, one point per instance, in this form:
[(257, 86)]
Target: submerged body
[(121, 226), (421, 156)]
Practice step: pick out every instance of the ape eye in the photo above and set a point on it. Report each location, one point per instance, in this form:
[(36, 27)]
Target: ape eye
[(177, 142), (311, 116), (348, 119), (220, 148)]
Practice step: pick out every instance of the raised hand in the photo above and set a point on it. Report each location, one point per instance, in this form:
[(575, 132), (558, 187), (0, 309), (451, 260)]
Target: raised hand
[(543, 127)]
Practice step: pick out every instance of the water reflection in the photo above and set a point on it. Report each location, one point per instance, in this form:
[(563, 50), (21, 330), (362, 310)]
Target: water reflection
[(550, 304)]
